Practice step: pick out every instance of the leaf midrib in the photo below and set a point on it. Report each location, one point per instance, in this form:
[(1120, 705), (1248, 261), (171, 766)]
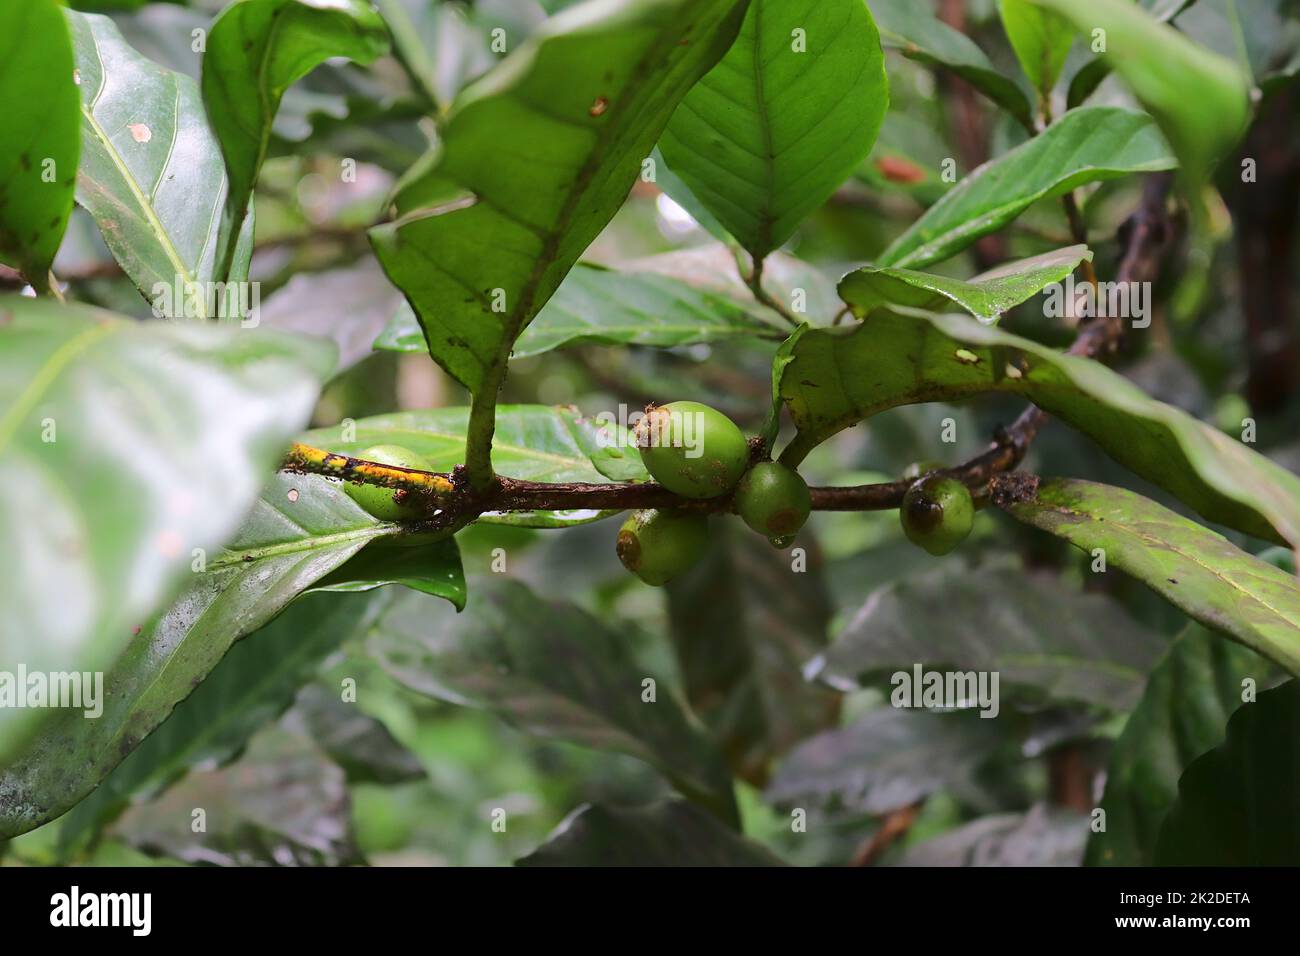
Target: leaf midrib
[(151, 216)]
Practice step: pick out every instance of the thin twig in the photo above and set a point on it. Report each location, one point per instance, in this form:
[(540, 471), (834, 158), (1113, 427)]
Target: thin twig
[(1146, 236), (754, 279)]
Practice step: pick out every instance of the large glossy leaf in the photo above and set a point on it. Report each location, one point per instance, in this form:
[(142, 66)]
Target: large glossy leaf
[(783, 119), (1182, 714), (835, 381), (608, 307), (913, 30), (1194, 568), (39, 142), (886, 759), (554, 671), (282, 804), (743, 622), (671, 833), (256, 50), (1084, 146), (1044, 638), (174, 425), (986, 296), (151, 171), (1236, 804), (534, 442), (303, 534), (251, 687), (1041, 40), (488, 223), (1199, 98)]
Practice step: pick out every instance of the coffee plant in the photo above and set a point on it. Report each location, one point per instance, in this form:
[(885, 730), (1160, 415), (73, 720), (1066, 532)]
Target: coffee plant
[(683, 432)]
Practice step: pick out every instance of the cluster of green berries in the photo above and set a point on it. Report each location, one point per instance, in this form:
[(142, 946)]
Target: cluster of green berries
[(697, 452)]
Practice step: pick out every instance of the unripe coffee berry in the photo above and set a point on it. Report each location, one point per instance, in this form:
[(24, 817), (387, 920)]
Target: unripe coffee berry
[(937, 513), (773, 500), (691, 449), (657, 545), (388, 504)]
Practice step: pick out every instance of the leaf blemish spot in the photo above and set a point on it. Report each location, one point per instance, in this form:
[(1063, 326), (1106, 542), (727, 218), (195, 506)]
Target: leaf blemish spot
[(599, 107), (140, 132)]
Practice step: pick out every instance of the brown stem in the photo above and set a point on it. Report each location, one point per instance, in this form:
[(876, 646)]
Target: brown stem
[(1146, 235)]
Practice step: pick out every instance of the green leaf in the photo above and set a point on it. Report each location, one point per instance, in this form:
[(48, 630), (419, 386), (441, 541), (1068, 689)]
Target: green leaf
[(283, 803), (172, 425), (784, 355), (39, 142), (876, 367), (598, 305), (151, 173), (359, 743), (1200, 99), (303, 534), (554, 671), (986, 296), (256, 50), (1182, 714), (912, 28), (886, 759), (533, 442), (743, 622), (249, 689), (488, 221), (783, 119), (1041, 40), (670, 833), (1084, 146), (1043, 636), (1236, 804), (1193, 568)]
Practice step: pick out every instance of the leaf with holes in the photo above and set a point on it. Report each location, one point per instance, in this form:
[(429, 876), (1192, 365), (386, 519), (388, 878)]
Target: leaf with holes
[(175, 425), (1084, 146), (1193, 568), (489, 226), (1184, 709), (151, 173), (39, 142), (836, 380), (986, 296), (783, 119), (257, 49)]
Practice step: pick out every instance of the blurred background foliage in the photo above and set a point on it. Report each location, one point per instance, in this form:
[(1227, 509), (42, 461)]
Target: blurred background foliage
[(401, 779)]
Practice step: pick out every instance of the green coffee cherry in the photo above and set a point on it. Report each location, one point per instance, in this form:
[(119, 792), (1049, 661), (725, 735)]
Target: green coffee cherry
[(691, 449), (384, 503), (658, 545), (773, 499), (937, 513)]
